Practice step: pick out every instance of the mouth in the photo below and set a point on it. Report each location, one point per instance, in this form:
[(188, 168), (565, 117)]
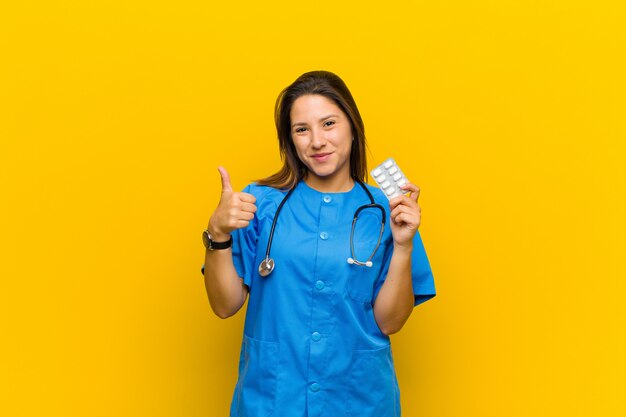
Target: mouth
[(321, 157)]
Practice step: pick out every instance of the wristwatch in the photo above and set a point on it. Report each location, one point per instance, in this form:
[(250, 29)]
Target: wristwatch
[(210, 244)]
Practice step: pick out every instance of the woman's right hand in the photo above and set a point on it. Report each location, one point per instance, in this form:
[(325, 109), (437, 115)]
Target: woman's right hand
[(234, 211)]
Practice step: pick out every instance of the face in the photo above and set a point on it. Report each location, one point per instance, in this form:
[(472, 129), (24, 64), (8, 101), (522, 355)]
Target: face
[(322, 136)]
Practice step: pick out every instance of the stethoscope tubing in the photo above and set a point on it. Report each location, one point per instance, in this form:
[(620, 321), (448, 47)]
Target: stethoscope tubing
[(267, 265), (353, 260), (280, 207)]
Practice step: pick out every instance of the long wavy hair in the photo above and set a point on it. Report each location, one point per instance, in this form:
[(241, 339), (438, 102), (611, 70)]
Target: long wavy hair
[(329, 85)]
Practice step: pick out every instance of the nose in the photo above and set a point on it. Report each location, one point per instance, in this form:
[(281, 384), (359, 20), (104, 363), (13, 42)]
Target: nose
[(317, 139)]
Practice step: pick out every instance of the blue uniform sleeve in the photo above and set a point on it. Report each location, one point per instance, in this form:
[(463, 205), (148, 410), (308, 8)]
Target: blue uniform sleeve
[(423, 281), (244, 248)]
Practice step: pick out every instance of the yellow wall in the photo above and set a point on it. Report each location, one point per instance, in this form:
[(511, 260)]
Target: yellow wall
[(114, 116)]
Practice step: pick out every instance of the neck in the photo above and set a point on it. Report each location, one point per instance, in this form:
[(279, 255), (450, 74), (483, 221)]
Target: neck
[(329, 185)]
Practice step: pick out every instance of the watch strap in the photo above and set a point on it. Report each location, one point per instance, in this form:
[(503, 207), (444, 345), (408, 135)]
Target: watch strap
[(210, 244)]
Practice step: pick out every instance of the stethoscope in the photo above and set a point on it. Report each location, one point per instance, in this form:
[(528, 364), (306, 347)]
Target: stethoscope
[(267, 265)]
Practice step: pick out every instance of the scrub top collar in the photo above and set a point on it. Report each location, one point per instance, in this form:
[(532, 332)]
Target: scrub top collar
[(338, 197)]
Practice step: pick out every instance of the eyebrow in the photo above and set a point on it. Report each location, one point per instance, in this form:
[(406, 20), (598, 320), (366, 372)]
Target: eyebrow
[(323, 118)]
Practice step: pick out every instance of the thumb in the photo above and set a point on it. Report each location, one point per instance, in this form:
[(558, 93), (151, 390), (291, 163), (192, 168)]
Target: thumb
[(225, 180)]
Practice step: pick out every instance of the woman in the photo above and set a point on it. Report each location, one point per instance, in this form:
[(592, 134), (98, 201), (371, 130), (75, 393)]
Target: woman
[(316, 335)]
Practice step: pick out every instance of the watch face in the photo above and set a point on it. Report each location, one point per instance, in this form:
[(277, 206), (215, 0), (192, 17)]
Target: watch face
[(212, 245)]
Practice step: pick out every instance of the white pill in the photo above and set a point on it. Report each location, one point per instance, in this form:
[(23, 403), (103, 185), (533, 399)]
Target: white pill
[(389, 178)]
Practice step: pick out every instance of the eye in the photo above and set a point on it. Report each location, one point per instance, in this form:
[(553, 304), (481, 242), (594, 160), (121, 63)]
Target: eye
[(300, 129), (329, 123)]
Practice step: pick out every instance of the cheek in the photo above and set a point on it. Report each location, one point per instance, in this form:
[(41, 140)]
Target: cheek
[(346, 143), (300, 150), (346, 138), (297, 145)]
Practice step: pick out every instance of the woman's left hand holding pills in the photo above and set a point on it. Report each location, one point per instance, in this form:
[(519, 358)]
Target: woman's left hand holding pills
[(405, 216)]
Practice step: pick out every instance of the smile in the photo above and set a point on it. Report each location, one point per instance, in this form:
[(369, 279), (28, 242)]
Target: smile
[(321, 157)]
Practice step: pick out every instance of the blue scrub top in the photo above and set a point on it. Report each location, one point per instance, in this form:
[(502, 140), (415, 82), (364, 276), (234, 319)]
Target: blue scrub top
[(311, 345)]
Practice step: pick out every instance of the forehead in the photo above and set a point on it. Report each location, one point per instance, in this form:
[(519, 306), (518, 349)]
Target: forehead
[(312, 107)]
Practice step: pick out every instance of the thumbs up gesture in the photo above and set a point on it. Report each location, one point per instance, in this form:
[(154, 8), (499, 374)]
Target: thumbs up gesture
[(234, 211)]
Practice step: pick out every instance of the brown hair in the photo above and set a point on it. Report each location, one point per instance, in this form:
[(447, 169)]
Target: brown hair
[(329, 85)]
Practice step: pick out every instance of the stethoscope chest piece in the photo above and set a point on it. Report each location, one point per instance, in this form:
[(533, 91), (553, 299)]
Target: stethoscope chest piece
[(266, 267)]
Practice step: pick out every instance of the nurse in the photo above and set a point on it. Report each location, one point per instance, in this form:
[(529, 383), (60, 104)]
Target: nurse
[(316, 334)]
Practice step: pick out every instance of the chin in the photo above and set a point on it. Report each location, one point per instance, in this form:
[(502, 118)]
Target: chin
[(322, 173)]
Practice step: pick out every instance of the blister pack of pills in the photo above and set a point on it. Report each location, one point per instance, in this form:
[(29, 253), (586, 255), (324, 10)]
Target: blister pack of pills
[(389, 178)]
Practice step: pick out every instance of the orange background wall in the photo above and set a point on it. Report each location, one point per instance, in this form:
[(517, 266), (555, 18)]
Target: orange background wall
[(114, 116)]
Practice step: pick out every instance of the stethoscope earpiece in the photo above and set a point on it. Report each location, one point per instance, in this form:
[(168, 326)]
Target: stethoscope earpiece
[(351, 261)]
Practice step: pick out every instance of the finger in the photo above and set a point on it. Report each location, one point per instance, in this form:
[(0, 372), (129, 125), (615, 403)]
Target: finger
[(394, 202), (413, 210), (403, 209), (414, 189), (408, 219), (245, 197), (242, 219), (245, 215), (399, 218), (395, 213), (226, 187), (241, 224), (402, 200), (248, 207)]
